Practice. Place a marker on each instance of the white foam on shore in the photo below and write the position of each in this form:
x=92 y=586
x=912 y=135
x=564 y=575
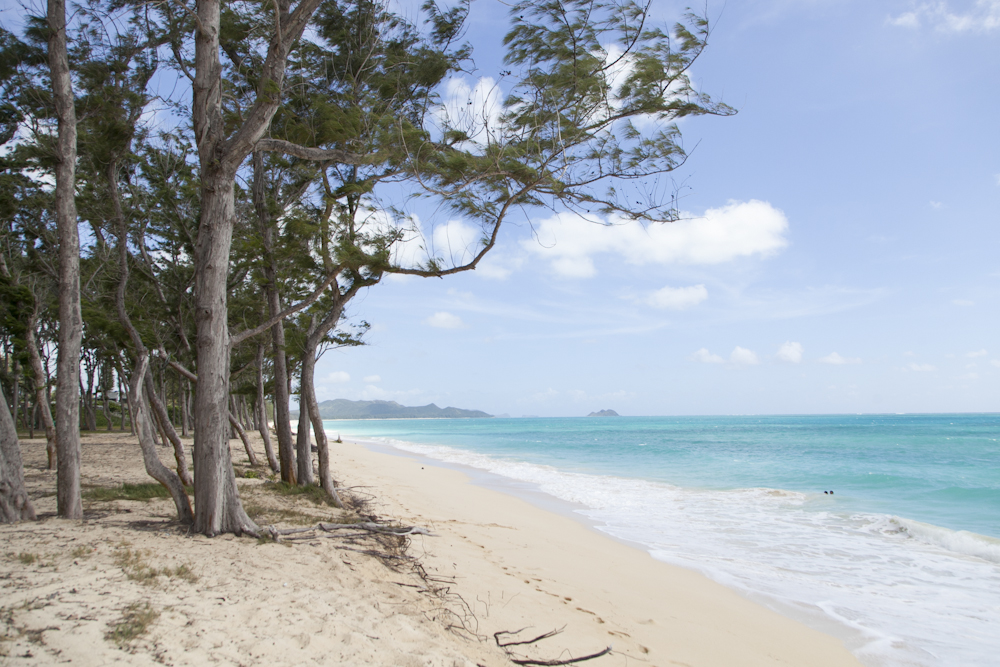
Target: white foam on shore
x=902 y=592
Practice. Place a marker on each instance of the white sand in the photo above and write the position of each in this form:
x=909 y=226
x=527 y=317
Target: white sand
x=499 y=563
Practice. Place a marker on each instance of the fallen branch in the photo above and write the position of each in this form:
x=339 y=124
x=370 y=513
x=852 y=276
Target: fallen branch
x=551 y=633
x=368 y=526
x=541 y=663
x=550 y=663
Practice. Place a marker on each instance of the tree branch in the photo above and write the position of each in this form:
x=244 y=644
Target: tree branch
x=315 y=154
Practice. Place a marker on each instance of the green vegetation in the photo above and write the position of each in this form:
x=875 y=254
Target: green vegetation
x=129 y=492
x=136 y=568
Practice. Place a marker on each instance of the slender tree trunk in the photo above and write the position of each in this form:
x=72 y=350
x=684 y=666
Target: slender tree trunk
x=262 y=426
x=307 y=389
x=303 y=446
x=160 y=412
x=141 y=417
x=15 y=401
x=68 y=499
x=184 y=407
x=14 y=502
x=243 y=435
x=282 y=415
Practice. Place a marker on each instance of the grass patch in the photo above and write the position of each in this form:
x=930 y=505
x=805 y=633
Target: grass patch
x=259 y=513
x=135 y=621
x=26 y=558
x=130 y=492
x=313 y=492
x=136 y=568
x=82 y=552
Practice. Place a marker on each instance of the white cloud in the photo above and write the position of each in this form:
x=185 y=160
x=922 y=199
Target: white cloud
x=969 y=376
x=743 y=356
x=981 y=16
x=739 y=229
x=921 y=368
x=936 y=204
x=963 y=302
x=997 y=176
x=706 y=357
x=995 y=362
x=979 y=353
x=837 y=360
x=443 y=320
x=339 y=377
x=372 y=378
x=677 y=298
x=790 y=352
x=472 y=109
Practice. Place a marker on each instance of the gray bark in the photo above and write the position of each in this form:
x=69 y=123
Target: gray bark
x=282 y=415
x=242 y=434
x=168 y=431
x=140 y=414
x=142 y=418
x=68 y=498
x=261 y=412
x=307 y=387
x=303 y=446
x=14 y=502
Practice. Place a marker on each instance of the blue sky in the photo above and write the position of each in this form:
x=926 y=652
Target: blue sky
x=840 y=252
x=856 y=197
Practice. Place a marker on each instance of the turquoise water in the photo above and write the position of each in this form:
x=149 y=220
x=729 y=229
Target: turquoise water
x=902 y=562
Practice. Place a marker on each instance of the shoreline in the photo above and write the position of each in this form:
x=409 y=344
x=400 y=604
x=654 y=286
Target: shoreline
x=495 y=563
x=664 y=614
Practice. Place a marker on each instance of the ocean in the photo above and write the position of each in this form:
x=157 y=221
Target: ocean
x=901 y=561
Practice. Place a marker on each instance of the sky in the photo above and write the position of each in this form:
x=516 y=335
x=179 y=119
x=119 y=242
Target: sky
x=839 y=252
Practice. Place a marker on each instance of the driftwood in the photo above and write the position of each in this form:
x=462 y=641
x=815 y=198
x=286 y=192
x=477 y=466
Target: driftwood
x=542 y=663
x=367 y=526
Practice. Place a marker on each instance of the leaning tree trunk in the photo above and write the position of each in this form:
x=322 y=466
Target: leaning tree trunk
x=261 y=412
x=14 y=502
x=143 y=419
x=41 y=393
x=167 y=428
x=308 y=394
x=241 y=432
x=68 y=499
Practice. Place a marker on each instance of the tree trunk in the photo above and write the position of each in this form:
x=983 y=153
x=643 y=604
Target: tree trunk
x=303 y=446
x=184 y=407
x=217 y=501
x=168 y=431
x=14 y=502
x=282 y=416
x=234 y=420
x=262 y=426
x=68 y=499
x=141 y=417
x=307 y=389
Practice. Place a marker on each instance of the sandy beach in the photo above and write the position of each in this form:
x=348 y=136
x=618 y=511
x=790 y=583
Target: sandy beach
x=493 y=563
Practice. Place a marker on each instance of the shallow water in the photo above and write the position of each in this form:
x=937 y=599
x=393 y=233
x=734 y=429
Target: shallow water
x=902 y=561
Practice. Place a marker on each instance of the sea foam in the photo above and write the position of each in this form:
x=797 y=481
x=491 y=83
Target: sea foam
x=896 y=591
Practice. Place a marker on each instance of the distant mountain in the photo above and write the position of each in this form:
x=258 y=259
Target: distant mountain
x=341 y=408
x=604 y=413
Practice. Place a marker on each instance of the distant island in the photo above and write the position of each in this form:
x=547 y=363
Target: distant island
x=341 y=408
x=604 y=413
